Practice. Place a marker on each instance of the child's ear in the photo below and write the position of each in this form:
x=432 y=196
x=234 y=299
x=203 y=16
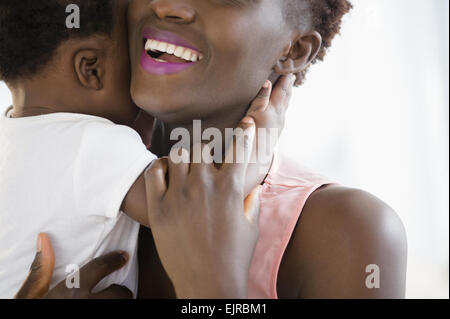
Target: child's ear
x=90 y=68
x=299 y=54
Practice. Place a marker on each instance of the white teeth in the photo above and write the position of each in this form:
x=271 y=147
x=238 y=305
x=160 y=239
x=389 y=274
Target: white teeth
x=162 y=47
x=178 y=51
x=148 y=45
x=187 y=55
x=153 y=45
x=171 y=48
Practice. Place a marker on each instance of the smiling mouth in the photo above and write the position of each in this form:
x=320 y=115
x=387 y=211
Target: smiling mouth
x=164 y=52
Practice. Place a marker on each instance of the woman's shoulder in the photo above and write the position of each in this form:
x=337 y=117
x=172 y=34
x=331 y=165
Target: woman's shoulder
x=330 y=203
x=342 y=232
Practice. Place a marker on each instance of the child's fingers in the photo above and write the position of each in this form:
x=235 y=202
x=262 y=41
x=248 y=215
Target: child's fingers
x=155 y=184
x=178 y=161
x=282 y=93
x=97 y=269
x=201 y=166
x=38 y=281
x=298 y=78
x=252 y=205
x=261 y=101
x=239 y=152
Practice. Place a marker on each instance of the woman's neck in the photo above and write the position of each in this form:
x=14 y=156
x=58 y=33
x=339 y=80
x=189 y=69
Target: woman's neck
x=162 y=143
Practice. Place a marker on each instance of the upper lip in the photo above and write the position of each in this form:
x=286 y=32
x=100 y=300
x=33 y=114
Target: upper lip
x=169 y=37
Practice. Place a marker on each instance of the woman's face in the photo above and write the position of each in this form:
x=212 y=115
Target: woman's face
x=201 y=58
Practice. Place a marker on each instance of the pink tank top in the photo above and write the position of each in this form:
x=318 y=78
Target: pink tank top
x=284 y=194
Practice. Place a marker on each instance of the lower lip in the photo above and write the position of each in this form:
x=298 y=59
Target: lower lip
x=152 y=66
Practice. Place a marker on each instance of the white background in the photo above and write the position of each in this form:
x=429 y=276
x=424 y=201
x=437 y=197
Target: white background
x=374 y=115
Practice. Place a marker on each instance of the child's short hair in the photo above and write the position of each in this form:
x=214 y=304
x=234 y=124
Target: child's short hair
x=31 y=31
x=323 y=16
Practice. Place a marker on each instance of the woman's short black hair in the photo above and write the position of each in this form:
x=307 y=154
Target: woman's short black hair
x=323 y=16
x=31 y=31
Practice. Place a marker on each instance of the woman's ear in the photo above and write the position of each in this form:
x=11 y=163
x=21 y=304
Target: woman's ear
x=89 y=68
x=300 y=54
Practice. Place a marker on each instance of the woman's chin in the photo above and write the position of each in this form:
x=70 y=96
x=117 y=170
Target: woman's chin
x=167 y=114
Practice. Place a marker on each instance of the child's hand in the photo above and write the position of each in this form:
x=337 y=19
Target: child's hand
x=41 y=271
x=268 y=110
x=37 y=284
x=204 y=235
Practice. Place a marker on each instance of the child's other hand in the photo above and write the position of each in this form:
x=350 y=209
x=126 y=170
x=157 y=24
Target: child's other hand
x=40 y=275
x=37 y=284
x=204 y=233
x=268 y=110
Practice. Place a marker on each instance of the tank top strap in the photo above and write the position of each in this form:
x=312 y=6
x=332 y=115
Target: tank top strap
x=284 y=194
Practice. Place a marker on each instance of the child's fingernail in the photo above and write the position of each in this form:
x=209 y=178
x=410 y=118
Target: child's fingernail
x=266 y=84
x=124 y=255
x=248 y=120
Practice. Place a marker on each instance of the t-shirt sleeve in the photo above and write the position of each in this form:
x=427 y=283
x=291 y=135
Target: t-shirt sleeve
x=110 y=159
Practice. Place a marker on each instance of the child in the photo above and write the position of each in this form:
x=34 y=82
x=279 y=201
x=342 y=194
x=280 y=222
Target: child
x=69 y=165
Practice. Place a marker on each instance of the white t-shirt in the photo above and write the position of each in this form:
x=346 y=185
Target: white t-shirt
x=66 y=175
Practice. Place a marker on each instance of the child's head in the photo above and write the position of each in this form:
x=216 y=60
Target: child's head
x=48 y=65
x=242 y=43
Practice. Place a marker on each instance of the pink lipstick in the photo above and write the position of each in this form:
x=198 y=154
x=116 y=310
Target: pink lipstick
x=166 y=53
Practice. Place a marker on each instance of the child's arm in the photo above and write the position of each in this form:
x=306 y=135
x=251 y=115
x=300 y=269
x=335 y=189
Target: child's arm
x=135 y=203
x=268 y=110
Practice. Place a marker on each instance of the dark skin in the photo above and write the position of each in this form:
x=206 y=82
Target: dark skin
x=92 y=77
x=350 y=228
x=219 y=251
x=341 y=230
x=214 y=233
x=88 y=75
x=37 y=284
